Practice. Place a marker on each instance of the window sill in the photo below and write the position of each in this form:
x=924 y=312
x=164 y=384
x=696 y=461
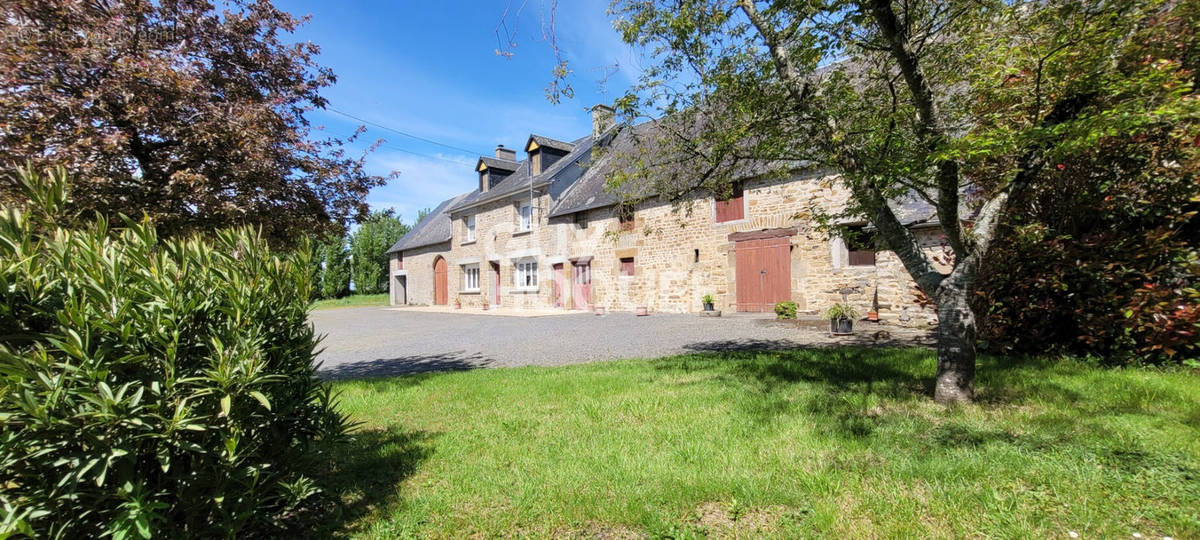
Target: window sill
x=469 y=291
x=523 y=290
x=467 y=243
x=732 y=221
x=522 y=232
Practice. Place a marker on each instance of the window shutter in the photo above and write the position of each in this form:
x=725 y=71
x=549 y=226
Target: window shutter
x=627 y=266
x=733 y=208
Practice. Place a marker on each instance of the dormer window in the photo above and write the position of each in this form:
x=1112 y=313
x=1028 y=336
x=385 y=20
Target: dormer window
x=492 y=171
x=545 y=152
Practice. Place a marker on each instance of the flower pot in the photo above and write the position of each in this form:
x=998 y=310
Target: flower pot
x=873 y=316
x=485 y=307
x=708 y=306
x=599 y=310
x=842 y=326
x=641 y=311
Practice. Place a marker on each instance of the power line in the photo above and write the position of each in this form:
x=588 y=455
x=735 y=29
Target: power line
x=430 y=156
x=406 y=134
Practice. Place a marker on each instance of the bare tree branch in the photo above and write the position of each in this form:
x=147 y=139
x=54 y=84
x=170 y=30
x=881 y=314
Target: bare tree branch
x=929 y=124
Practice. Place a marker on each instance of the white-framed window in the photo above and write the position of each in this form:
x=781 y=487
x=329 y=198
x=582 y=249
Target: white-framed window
x=525 y=215
x=470 y=228
x=470 y=277
x=525 y=274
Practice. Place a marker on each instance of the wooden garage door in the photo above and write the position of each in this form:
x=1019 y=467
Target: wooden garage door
x=441 y=294
x=764 y=273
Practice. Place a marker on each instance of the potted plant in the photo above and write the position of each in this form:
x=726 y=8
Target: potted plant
x=485 y=304
x=708 y=302
x=841 y=319
x=457 y=302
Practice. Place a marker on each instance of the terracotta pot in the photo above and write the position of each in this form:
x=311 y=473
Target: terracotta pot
x=873 y=316
x=485 y=307
x=641 y=311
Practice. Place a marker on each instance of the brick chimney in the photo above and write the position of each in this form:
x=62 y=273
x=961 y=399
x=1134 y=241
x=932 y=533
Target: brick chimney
x=603 y=118
x=507 y=154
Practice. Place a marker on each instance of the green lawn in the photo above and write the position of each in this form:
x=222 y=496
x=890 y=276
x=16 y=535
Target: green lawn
x=354 y=300
x=834 y=442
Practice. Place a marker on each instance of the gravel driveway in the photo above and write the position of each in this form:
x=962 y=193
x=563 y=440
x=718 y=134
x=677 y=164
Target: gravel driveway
x=373 y=341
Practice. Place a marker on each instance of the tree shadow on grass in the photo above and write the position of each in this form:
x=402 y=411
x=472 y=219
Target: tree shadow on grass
x=854 y=387
x=405 y=365
x=887 y=370
x=774 y=363
x=365 y=474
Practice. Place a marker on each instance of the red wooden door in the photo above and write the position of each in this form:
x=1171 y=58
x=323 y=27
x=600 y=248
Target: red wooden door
x=441 y=294
x=581 y=293
x=496 y=284
x=559 y=284
x=764 y=273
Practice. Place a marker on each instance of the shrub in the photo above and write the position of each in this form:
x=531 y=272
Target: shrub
x=1102 y=259
x=151 y=385
x=785 y=310
x=840 y=311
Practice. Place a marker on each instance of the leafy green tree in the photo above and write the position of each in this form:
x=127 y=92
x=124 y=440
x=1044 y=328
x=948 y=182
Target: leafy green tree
x=368 y=250
x=335 y=267
x=930 y=99
x=189 y=111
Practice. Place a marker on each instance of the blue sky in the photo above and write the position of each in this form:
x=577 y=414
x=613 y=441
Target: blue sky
x=430 y=69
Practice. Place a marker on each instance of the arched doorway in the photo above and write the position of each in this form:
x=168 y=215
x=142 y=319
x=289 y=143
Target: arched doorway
x=441 y=294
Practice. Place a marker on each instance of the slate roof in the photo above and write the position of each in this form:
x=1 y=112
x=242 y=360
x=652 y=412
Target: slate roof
x=434 y=229
x=547 y=142
x=577 y=181
x=644 y=142
x=559 y=174
x=495 y=163
x=647 y=144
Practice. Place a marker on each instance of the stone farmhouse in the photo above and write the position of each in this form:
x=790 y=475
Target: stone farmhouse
x=543 y=232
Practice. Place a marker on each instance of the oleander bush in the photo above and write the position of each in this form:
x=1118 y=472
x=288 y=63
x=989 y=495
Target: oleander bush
x=153 y=386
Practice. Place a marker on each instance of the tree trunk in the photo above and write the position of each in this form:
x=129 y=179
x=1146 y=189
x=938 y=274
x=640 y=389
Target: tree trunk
x=956 y=343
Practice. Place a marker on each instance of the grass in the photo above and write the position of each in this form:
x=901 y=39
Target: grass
x=354 y=300
x=830 y=442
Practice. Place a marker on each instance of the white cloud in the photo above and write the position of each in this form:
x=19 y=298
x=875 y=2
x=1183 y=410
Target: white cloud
x=424 y=182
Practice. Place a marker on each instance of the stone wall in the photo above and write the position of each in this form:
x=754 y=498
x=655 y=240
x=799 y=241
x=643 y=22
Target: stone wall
x=499 y=241
x=680 y=254
x=418 y=272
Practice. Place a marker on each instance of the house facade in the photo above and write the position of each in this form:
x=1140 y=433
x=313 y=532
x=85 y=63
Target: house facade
x=543 y=232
